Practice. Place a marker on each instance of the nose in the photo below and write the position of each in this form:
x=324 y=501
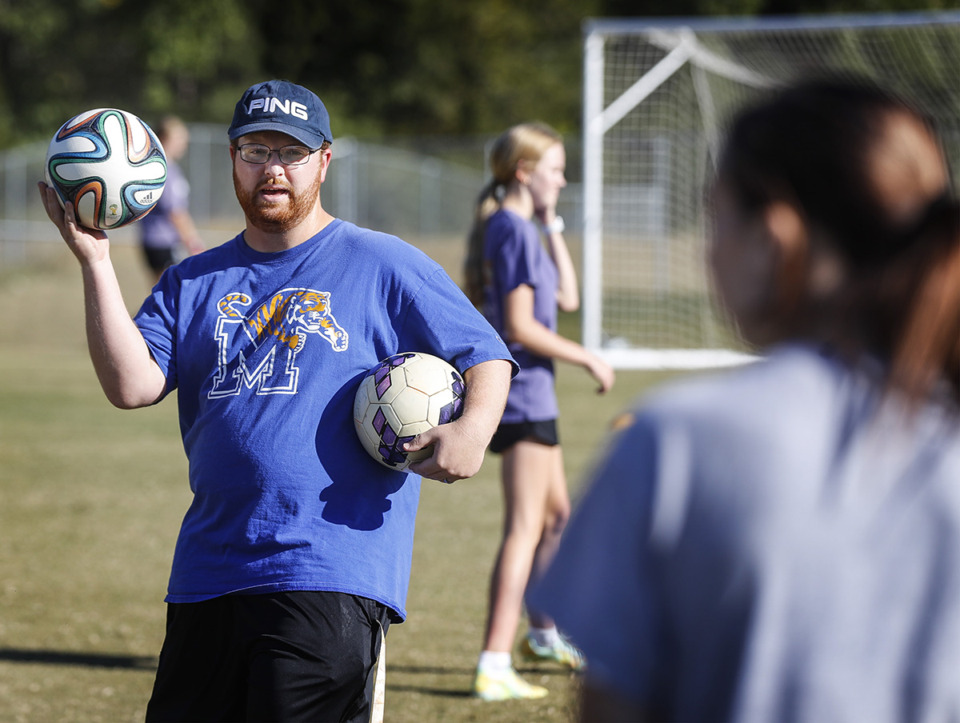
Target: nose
x=273 y=166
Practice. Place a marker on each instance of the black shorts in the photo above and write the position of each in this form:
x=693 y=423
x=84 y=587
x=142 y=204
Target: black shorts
x=507 y=435
x=161 y=259
x=274 y=657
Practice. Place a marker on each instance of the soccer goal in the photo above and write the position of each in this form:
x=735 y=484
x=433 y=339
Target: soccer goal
x=656 y=97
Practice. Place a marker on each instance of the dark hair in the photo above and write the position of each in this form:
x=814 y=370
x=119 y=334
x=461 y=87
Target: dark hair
x=815 y=145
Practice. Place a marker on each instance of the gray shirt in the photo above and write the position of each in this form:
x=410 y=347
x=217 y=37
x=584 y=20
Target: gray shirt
x=771 y=544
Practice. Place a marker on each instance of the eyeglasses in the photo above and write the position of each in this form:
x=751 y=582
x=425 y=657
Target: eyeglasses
x=288 y=155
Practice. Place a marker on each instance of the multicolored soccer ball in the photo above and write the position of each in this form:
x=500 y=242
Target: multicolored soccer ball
x=399 y=398
x=110 y=164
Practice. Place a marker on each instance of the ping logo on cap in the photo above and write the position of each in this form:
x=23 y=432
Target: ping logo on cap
x=272 y=105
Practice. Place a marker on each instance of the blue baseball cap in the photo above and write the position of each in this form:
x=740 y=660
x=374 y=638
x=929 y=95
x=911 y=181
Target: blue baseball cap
x=279 y=105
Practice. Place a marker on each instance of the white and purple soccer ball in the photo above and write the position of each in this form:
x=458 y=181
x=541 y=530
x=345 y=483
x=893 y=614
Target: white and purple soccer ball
x=399 y=398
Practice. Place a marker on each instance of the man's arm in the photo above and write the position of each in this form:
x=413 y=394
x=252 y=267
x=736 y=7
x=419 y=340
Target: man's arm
x=459 y=446
x=128 y=374
x=183 y=222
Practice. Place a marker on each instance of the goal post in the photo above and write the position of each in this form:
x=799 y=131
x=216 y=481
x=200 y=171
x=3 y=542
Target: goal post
x=657 y=93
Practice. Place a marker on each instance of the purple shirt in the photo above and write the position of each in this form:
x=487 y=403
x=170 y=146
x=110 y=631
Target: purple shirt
x=516 y=256
x=156 y=229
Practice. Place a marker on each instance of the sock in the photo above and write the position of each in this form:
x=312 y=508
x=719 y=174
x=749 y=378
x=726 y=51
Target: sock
x=545 y=637
x=494 y=662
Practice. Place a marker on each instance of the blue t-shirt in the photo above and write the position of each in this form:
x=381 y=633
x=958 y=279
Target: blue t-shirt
x=516 y=256
x=156 y=229
x=771 y=544
x=266 y=351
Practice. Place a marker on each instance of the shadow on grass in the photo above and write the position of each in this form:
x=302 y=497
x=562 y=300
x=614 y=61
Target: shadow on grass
x=421 y=690
x=87 y=660
x=531 y=669
x=400 y=671
x=427 y=669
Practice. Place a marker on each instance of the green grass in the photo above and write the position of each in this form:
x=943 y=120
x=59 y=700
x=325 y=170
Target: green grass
x=93 y=497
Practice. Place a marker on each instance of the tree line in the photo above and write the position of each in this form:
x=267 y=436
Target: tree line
x=383 y=67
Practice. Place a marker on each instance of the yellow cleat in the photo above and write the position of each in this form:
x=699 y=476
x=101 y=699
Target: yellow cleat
x=505 y=685
x=563 y=652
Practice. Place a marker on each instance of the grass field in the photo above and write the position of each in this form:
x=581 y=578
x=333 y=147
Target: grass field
x=93 y=497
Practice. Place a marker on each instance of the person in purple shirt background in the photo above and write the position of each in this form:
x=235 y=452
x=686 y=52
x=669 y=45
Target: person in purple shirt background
x=168 y=233
x=519 y=283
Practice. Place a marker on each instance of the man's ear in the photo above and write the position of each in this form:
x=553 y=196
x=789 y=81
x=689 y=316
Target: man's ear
x=786 y=230
x=326 y=156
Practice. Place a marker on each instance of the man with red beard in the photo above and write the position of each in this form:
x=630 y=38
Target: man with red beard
x=294 y=557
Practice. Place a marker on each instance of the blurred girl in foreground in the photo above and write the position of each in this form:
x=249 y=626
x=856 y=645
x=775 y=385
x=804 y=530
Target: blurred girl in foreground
x=519 y=282
x=782 y=541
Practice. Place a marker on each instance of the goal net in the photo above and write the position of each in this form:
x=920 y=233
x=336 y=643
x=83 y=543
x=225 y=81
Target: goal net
x=656 y=96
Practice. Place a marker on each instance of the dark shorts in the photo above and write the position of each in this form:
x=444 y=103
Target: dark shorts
x=507 y=435
x=275 y=657
x=160 y=259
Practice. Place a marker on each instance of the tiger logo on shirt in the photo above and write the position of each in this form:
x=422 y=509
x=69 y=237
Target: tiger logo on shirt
x=274 y=333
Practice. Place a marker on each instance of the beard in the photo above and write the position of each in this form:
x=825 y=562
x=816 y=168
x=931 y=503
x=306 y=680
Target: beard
x=276 y=217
